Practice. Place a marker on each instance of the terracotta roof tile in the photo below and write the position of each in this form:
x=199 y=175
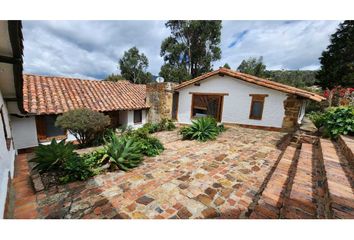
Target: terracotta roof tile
x=54 y=95
x=254 y=80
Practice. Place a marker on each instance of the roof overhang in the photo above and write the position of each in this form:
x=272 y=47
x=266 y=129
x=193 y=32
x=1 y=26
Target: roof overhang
x=254 y=80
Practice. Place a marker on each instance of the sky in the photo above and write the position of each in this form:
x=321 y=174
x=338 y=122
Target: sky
x=91 y=49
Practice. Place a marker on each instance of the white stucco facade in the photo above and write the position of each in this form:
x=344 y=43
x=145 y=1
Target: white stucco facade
x=236 y=106
x=7 y=156
x=130 y=119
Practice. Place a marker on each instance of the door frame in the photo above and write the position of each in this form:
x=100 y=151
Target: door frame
x=220 y=103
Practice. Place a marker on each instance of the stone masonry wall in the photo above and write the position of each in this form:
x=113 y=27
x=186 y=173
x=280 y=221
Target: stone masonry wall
x=159 y=96
x=292 y=106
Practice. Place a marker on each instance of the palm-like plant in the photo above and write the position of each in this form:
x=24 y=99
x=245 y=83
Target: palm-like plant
x=202 y=129
x=123 y=152
x=53 y=156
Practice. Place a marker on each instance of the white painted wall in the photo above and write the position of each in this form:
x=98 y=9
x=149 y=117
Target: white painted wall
x=130 y=119
x=237 y=103
x=7 y=157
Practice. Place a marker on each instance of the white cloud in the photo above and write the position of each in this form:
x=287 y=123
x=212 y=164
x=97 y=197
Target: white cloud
x=91 y=49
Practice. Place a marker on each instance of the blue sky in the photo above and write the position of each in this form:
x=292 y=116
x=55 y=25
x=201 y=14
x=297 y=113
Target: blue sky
x=91 y=49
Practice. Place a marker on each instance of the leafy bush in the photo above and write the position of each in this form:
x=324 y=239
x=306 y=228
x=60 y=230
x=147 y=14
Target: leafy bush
x=317 y=118
x=149 y=146
x=123 y=152
x=166 y=125
x=339 y=120
x=151 y=127
x=202 y=129
x=86 y=125
x=53 y=156
x=76 y=169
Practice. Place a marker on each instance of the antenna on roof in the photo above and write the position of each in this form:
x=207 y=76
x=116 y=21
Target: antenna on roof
x=160 y=79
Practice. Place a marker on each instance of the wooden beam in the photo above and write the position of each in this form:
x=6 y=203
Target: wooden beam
x=10 y=60
x=211 y=94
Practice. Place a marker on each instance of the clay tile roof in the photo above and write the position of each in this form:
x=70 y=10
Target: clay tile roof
x=255 y=80
x=54 y=95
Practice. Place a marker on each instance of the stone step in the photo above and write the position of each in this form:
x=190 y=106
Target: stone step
x=340 y=182
x=301 y=200
x=271 y=199
x=346 y=144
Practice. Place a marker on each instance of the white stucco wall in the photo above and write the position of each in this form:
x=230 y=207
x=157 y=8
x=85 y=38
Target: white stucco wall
x=130 y=119
x=237 y=104
x=7 y=157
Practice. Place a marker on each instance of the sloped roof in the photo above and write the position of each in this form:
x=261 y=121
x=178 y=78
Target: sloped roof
x=54 y=95
x=255 y=80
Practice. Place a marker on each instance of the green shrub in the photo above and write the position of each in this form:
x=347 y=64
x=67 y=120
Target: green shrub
x=202 y=129
x=123 y=152
x=339 y=120
x=76 y=169
x=317 y=118
x=151 y=127
x=166 y=125
x=150 y=146
x=53 y=156
x=86 y=125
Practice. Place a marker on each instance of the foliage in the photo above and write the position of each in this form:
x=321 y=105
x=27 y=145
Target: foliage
x=123 y=152
x=151 y=127
x=52 y=156
x=226 y=65
x=77 y=169
x=202 y=129
x=190 y=49
x=114 y=78
x=317 y=118
x=150 y=146
x=295 y=78
x=86 y=125
x=338 y=59
x=166 y=125
x=253 y=66
x=133 y=66
x=339 y=120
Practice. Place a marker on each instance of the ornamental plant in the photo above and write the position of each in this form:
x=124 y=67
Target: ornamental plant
x=338 y=120
x=202 y=129
x=86 y=125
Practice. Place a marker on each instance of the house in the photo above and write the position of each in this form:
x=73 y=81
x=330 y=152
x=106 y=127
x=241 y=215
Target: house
x=46 y=97
x=11 y=50
x=237 y=98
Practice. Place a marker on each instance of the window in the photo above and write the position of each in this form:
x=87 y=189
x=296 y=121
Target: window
x=46 y=128
x=138 y=116
x=207 y=105
x=257 y=104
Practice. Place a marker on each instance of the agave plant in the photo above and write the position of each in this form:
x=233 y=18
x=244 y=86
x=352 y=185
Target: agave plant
x=123 y=152
x=202 y=129
x=53 y=156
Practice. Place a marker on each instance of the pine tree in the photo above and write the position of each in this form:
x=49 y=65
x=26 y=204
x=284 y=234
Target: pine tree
x=338 y=59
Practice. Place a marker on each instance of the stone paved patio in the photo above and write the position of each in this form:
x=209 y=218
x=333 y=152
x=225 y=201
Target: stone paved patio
x=215 y=179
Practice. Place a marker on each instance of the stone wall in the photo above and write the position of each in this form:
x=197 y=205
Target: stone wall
x=292 y=107
x=159 y=96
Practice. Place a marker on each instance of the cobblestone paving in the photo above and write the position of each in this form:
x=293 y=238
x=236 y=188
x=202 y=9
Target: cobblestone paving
x=215 y=179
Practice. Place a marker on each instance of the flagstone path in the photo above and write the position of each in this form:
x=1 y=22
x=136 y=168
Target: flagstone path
x=214 y=179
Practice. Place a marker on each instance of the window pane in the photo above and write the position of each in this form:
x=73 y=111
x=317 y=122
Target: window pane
x=51 y=129
x=137 y=116
x=257 y=109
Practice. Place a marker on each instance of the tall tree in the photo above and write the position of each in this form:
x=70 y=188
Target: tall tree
x=191 y=49
x=133 y=66
x=338 y=59
x=253 y=66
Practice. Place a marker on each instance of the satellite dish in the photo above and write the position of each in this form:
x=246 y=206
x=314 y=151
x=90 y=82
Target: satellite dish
x=160 y=79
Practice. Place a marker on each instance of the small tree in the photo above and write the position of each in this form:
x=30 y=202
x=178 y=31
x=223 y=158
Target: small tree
x=84 y=124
